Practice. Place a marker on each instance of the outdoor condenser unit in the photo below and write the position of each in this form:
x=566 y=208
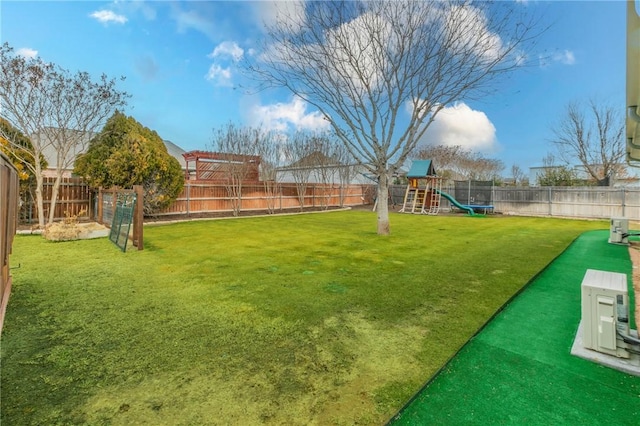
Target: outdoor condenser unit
x=619 y=230
x=605 y=312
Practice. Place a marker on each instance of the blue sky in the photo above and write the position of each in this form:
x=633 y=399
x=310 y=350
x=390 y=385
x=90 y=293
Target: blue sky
x=178 y=60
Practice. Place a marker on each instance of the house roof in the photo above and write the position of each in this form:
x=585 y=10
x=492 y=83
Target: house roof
x=313 y=160
x=51 y=155
x=176 y=152
x=50 y=152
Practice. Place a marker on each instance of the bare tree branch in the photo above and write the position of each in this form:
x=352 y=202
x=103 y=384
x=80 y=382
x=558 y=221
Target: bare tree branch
x=297 y=153
x=456 y=162
x=269 y=149
x=57 y=110
x=238 y=150
x=592 y=134
x=380 y=71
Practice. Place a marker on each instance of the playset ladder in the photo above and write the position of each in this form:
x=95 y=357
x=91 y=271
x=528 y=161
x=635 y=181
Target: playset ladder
x=414 y=198
x=422 y=200
x=434 y=204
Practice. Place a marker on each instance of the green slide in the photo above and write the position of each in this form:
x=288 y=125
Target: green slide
x=455 y=203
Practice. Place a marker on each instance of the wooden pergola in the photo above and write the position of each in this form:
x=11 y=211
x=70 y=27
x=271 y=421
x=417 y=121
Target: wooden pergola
x=213 y=166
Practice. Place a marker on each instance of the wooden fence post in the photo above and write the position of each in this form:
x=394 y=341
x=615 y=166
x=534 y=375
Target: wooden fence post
x=114 y=201
x=138 y=218
x=188 y=191
x=100 y=201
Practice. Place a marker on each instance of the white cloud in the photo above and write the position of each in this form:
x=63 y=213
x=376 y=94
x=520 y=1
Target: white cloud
x=145 y=8
x=286 y=116
x=217 y=73
x=461 y=125
x=220 y=76
x=108 y=16
x=469 y=27
x=361 y=65
x=227 y=48
x=543 y=60
x=520 y=59
x=134 y=7
x=193 y=20
x=357 y=56
x=267 y=13
x=27 y=52
x=564 y=57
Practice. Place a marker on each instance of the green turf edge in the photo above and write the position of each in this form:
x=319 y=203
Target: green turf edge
x=484 y=325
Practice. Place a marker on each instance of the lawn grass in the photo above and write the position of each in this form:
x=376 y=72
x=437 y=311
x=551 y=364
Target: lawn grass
x=310 y=319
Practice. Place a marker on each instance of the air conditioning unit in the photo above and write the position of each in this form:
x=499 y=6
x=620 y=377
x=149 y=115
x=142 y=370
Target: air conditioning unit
x=605 y=312
x=619 y=230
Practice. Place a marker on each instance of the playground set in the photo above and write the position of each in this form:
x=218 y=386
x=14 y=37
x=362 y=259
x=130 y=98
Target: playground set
x=424 y=192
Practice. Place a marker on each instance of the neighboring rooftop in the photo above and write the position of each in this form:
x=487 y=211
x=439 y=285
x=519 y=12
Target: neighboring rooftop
x=51 y=154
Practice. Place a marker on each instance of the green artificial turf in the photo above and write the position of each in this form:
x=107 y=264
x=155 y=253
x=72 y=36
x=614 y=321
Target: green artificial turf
x=519 y=370
x=308 y=319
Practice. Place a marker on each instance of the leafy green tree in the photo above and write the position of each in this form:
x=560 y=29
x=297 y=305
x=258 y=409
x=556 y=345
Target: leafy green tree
x=125 y=153
x=19 y=151
x=556 y=175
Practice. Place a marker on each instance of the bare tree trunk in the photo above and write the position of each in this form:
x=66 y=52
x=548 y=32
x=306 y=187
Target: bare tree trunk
x=238 y=193
x=54 y=198
x=234 y=190
x=383 y=205
x=39 y=199
x=271 y=189
x=366 y=64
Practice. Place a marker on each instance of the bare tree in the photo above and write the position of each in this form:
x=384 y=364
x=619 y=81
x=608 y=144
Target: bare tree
x=238 y=149
x=346 y=170
x=457 y=162
x=325 y=166
x=518 y=176
x=380 y=71
x=297 y=152
x=57 y=110
x=479 y=167
x=269 y=150
x=593 y=134
x=445 y=158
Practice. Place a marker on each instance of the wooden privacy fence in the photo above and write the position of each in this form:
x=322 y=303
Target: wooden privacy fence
x=204 y=197
x=9 y=191
x=74 y=197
